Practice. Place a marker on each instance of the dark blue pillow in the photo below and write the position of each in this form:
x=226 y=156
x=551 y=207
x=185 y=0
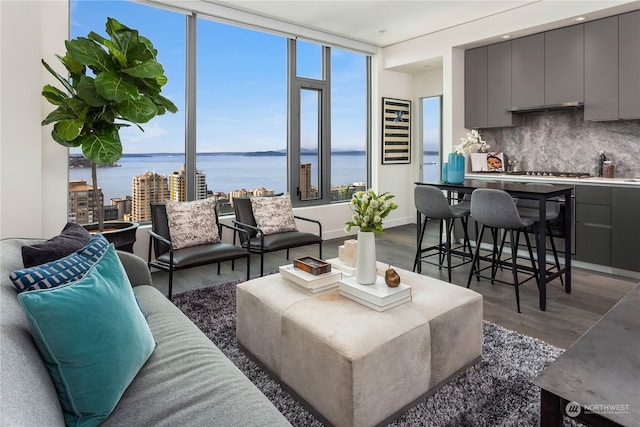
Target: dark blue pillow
x=72 y=238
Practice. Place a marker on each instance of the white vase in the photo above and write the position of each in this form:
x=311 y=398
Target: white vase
x=366 y=271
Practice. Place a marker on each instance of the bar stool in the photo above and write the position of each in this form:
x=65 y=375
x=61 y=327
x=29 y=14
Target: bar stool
x=530 y=209
x=496 y=209
x=431 y=203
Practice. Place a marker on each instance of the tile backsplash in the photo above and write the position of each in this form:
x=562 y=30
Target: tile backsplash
x=563 y=141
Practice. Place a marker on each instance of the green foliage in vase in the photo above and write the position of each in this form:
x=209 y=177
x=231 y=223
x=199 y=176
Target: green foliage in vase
x=369 y=209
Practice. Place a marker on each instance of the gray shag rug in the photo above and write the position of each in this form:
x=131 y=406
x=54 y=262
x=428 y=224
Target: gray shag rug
x=495 y=392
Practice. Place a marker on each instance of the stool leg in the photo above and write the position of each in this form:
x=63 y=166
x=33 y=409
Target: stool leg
x=494 y=267
x=440 y=254
x=475 y=265
x=533 y=264
x=514 y=266
x=416 y=263
x=467 y=241
x=555 y=252
x=449 y=227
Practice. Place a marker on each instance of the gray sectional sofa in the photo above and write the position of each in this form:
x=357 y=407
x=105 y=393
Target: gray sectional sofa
x=187 y=380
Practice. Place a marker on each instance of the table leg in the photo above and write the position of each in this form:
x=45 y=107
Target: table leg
x=568 y=206
x=551 y=411
x=542 y=252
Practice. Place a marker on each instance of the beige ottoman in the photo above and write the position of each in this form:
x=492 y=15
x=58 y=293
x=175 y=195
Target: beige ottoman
x=354 y=365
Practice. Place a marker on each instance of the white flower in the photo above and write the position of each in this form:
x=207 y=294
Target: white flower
x=369 y=209
x=473 y=142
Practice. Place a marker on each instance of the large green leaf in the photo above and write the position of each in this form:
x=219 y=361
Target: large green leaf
x=166 y=103
x=102 y=148
x=75 y=143
x=121 y=57
x=60 y=113
x=161 y=80
x=68 y=129
x=115 y=87
x=54 y=95
x=88 y=52
x=148 y=69
x=61 y=79
x=138 y=110
x=88 y=93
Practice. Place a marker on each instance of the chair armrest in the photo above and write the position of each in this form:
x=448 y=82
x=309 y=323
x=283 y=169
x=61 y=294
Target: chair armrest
x=311 y=220
x=156 y=236
x=253 y=227
x=239 y=230
x=136 y=268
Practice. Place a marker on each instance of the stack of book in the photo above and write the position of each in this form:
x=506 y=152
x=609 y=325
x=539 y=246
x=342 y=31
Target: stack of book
x=309 y=283
x=378 y=296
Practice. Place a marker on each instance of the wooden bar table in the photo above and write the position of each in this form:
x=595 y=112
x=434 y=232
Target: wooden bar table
x=542 y=193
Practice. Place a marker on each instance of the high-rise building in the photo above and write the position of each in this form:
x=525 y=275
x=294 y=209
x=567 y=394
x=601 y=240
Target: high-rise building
x=305 y=181
x=147 y=188
x=262 y=192
x=178 y=185
x=82 y=207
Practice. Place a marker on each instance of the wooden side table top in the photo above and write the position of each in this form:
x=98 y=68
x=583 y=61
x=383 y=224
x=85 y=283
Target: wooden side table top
x=601 y=371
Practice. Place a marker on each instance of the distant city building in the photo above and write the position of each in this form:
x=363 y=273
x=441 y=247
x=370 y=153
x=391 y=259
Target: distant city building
x=262 y=192
x=305 y=181
x=123 y=207
x=147 y=188
x=82 y=208
x=238 y=193
x=178 y=185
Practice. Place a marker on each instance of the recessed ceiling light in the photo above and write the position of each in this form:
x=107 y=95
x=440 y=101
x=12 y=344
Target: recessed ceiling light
x=380 y=32
x=580 y=18
x=506 y=36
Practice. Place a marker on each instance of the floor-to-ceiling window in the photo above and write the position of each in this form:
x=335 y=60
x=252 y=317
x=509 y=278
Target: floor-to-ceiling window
x=150 y=157
x=234 y=139
x=431 y=138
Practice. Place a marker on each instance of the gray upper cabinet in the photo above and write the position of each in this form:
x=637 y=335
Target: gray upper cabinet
x=499 y=86
x=527 y=71
x=564 y=65
x=629 y=53
x=475 y=88
x=601 y=69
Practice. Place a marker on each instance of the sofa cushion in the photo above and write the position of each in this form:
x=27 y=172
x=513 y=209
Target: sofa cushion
x=192 y=223
x=72 y=238
x=273 y=214
x=93 y=338
x=64 y=270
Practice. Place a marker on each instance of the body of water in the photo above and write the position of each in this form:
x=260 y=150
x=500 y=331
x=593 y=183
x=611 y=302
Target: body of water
x=225 y=173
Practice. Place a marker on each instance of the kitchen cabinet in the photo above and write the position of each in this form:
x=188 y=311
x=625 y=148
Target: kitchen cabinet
x=593 y=224
x=629 y=63
x=564 y=65
x=475 y=88
x=499 y=87
x=601 y=69
x=625 y=232
x=607 y=231
x=527 y=71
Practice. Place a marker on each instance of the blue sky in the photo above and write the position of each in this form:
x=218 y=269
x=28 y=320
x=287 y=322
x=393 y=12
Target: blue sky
x=241 y=89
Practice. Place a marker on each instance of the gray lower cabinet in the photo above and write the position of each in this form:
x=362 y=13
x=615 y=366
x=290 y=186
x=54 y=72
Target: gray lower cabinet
x=527 y=71
x=625 y=228
x=601 y=69
x=593 y=224
x=629 y=53
x=607 y=230
x=564 y=65
x=475 y=88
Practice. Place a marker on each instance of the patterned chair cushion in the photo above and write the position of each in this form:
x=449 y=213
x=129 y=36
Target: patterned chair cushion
x=273 y=214
x=64 y=270
x=192 y=223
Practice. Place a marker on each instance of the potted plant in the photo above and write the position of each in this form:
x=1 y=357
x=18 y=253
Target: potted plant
x=112 y=83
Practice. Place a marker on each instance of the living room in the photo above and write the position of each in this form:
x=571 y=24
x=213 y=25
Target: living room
x=34 y=171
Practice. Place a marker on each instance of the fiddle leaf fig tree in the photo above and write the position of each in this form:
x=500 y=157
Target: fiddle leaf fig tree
x=111 y=83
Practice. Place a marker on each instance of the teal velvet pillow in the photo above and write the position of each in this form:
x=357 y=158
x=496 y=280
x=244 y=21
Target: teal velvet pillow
x=92 y=337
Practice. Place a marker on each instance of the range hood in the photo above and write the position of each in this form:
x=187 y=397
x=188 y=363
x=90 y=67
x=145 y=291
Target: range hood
x=548 y=107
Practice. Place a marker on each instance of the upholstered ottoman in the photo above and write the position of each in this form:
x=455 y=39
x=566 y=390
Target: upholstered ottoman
x=356 y=366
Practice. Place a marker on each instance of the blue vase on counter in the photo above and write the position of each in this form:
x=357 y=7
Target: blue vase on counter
x=455 y=168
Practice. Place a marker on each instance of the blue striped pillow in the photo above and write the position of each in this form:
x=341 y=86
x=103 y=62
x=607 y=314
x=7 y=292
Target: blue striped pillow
x=64 y=270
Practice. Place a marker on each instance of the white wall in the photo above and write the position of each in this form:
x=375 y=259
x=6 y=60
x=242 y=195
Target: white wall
x=33 y=169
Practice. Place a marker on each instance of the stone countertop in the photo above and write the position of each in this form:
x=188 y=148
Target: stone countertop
x=593 y=180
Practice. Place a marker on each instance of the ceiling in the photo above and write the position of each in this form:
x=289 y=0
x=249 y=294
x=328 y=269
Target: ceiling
x=379 y=22
x=386 y=22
